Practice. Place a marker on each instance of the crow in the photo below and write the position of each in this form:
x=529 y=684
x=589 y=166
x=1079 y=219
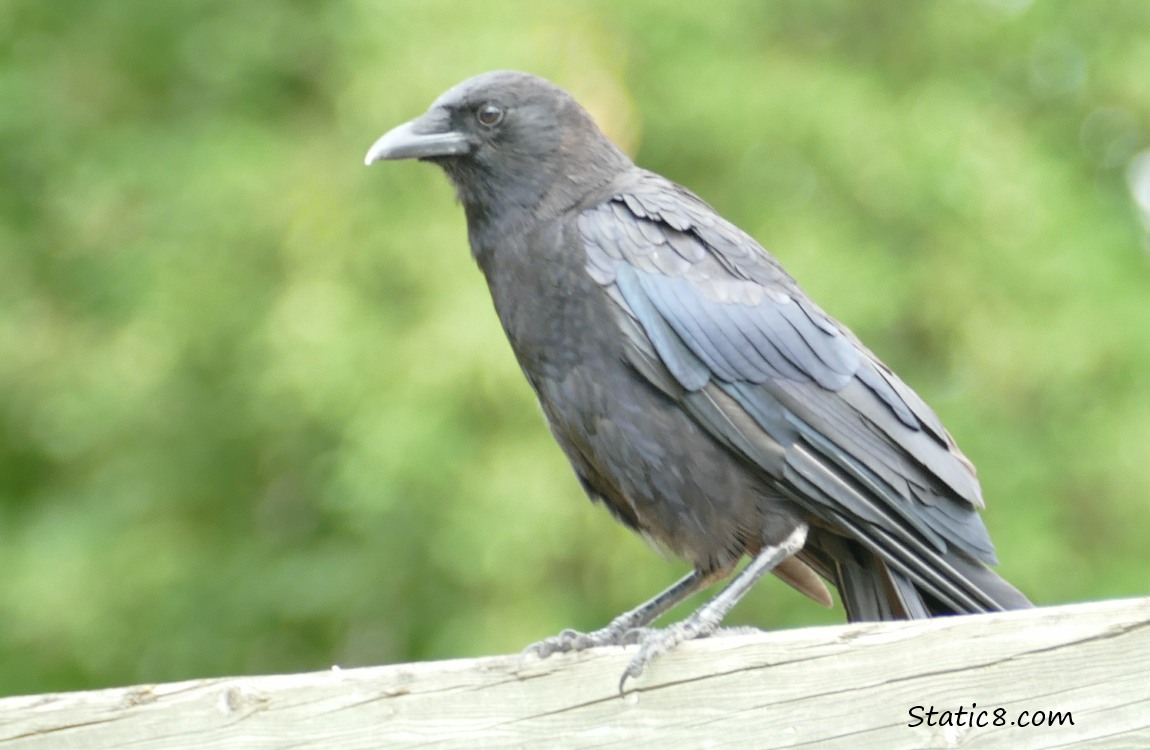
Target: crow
x=698 y=392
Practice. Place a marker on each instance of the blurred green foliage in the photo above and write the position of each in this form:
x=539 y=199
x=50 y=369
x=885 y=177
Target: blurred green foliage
x=256 y=413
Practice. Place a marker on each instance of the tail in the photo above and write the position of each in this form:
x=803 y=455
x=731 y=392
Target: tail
x=871 y=590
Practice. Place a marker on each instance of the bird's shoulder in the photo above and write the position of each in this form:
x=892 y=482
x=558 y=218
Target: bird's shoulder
x=671 y=260
x=655 y=224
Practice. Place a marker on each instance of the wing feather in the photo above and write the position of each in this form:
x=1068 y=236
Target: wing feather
x=715 y=322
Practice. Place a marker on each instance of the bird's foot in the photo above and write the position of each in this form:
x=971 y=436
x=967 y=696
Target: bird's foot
x=573 y=640
x=654 y=642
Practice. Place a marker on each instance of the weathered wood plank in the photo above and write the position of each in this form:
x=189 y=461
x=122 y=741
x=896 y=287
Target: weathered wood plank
x=849 y=686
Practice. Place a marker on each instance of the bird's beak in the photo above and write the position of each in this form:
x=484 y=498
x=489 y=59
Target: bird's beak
x=427 y=136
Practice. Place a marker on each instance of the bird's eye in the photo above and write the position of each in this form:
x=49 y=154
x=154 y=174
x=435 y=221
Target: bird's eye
x=489 y=115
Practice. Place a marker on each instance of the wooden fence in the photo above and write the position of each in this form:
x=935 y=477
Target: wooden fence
x=1066 y=677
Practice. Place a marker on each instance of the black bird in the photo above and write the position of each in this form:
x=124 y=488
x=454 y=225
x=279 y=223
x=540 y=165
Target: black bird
x=699 y=394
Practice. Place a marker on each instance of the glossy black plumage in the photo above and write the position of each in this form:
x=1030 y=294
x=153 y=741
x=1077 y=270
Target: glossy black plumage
x=697 y=391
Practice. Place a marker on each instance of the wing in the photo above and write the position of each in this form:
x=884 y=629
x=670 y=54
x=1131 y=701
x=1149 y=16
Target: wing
x=716 y=323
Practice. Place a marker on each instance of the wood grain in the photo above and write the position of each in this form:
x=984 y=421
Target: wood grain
x=830 y=687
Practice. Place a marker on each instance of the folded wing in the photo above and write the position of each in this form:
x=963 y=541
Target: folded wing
x=714 y=321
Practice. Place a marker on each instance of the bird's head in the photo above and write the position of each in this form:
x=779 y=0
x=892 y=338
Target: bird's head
x=508 y=141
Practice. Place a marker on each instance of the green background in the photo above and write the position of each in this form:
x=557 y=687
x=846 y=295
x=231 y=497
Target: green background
x=256 y=412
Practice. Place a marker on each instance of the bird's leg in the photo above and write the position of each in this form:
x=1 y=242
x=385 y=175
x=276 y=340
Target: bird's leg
x=706 y=619
x=616 y=632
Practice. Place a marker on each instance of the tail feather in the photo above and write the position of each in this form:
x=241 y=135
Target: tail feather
x=872 y=591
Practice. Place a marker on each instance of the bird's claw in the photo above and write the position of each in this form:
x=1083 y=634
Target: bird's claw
x=656 y=642
x=652 y=642
x=567 y=640
x=572 y=640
